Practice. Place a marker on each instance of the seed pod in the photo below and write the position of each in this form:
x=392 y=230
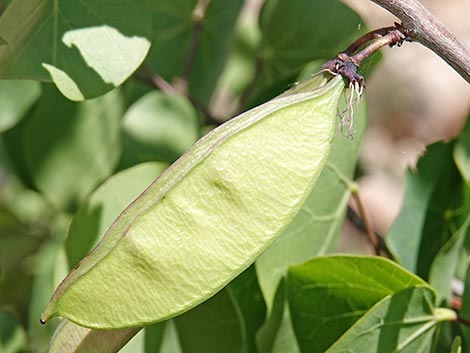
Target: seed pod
x=206 y=218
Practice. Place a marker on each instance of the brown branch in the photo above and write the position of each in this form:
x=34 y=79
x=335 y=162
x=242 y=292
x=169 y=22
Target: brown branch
x=347 y=62
x=463 y=321
x=198 y=19
x=394 y=36
x=421 y=26
x=367 y=38
x=373 y=239
x=358 y=222
x=156 y=81
x=161 y=84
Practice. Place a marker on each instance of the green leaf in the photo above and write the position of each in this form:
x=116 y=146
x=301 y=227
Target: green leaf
x=207 y=218
x=267 y=333
x=85 y=47
x=158 y=127
x=211 y=327
x=96 y=215
x=294 y=34
x=417 y=219
x=17 y=243
x=316 y=227
x=277 y=334
x=241 y=62
x=465 y=309
x=456 y=346
x=447 y=211
x=71 y=338
x=462 y=153
x=136 y=344
x=154 y=336
x=248 y=301
x=66 y=149
x=170 y=343
x=212 y=51
x=173 y=30
x=285 y=341
x=401 y=323
x=16 y=98
x=12 y=335
x=171 y=21
x=51 y=268
x=328 y=294
x=444 y=265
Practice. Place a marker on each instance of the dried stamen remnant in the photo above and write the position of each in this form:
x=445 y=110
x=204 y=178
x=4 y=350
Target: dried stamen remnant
x=347 y=63
x=348 y=69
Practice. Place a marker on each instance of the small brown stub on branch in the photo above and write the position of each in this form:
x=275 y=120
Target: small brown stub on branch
x=347 y=62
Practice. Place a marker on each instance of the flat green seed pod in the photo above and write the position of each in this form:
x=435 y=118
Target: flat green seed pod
x=206 y=218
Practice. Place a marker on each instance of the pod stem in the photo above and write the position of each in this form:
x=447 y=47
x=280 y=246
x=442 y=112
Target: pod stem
x=462 y=321
x=348 y=61
x=362 y=223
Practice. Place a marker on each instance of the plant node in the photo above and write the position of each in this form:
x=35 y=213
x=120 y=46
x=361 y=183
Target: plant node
x=348 y=62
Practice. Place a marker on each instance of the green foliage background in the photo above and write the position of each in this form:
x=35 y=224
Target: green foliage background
x=84 y=130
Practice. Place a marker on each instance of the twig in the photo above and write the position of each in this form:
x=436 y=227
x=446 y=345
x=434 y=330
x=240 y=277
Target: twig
x=347 y=62
x=463 y=321
x=359 y=224
x=198 y=19
x=373 y=239
x=367 y=38
x=157 y=81
x=394 y=36
x=161 y=84
x=421 y=26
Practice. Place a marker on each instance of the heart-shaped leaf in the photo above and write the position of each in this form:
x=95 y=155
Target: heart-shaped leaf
x=328 y=294
x=404 y=322
x=85 y=47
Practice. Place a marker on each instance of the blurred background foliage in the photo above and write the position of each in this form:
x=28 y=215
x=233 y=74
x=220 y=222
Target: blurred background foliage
x=67 y=168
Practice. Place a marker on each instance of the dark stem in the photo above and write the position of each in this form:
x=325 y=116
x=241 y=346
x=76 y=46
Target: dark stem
x=357 y=221
x=463 y=321
x=421 y=26
x=367 y=38
x=394 y=36
x=161 y=84
x=157 y=81
x=373 y=239
x=198 y=20
x=348 y=61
